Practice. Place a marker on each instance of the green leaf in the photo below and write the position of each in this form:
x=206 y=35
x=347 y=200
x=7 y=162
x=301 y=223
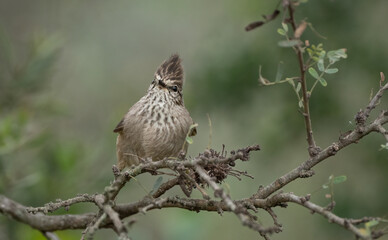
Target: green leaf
x=323 y=82
x=290 y=81
x=331 y=70
x=341 y=53
x=289 y=43
x=300 y=103
x=371 y=223
x=339 y=179
x=298 y=87
x=310 y=52
x=281 y=32
x=314 y=73
x=321 y=65
x=322 y=54
x=285 y=27
x=279 y=72
x=336 y=55
x=157 y=184
x=365 y=232
x=333 y=60
x=189 y=140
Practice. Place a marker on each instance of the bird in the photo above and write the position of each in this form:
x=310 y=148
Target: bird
x=156 y=127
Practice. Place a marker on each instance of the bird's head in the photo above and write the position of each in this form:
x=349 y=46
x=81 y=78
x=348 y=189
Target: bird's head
x=169 y=77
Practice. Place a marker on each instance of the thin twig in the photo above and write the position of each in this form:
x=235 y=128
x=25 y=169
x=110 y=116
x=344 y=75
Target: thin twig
x=113 y=215
x=312 y=149
x=50 y=236
x=240 y=211
x=375 y=100
x=53 y=206
x=165 y=187
x=91 y=230
x=331 y=217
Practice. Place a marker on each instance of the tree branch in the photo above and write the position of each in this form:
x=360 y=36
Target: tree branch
x=239 y=210
x=376 y=99
x=51 y=206
x=331 y=217
x=312 y=149
x=112 y=214
x=42 y=222
x=53 y=223
x=351 y=137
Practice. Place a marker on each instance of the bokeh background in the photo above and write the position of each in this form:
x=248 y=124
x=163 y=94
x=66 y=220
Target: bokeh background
x=69 y=70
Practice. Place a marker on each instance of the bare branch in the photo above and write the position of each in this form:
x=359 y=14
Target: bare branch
x=157 y=203
x=113 y=215
x=53 y=223
x=93 y=226
x=45 y=223
x=51 y=206
x=351 y=137
x=374 y=102
x=80 y=221
x=50 y=236
x=365 y=220
x=165 y=187
x=383 y=131
x=331 y=217
x=274 y=217
x=239 y=210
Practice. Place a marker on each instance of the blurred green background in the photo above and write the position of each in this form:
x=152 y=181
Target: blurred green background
x=69 y=70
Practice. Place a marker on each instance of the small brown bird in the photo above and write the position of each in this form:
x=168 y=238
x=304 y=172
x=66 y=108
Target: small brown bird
x=157 y=125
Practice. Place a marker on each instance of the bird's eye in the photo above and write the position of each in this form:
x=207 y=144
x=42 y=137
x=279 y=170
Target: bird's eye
x=174 y=88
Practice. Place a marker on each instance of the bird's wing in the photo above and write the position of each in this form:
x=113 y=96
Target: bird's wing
x=119 y=127
x=131 y=113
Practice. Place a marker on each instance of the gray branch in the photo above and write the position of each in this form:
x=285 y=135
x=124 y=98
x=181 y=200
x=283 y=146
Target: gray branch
x=111 y=214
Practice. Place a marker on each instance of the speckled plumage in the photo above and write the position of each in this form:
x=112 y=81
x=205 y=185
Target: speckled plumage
x=157 y=125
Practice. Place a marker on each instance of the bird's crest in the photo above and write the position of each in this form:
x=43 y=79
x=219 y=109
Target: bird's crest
x=171 y=70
